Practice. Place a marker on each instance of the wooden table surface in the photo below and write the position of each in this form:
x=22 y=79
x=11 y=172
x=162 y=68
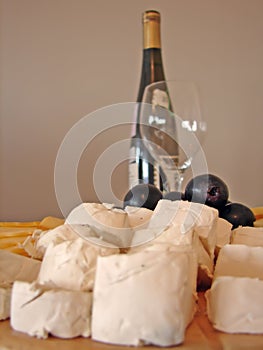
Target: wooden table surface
x=199 y=335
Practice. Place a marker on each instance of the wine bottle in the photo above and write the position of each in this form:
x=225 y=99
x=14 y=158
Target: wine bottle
x=142 y=168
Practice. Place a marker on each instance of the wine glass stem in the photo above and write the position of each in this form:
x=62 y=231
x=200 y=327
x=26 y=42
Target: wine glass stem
x=174 y=180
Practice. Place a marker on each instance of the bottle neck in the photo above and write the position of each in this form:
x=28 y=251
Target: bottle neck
x=152 y=69
x=151 y=34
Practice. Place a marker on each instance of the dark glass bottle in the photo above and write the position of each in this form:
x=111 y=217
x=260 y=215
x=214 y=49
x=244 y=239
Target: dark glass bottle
x=142 y=167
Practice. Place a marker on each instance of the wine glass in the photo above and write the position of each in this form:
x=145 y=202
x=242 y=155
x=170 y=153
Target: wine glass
x=172 y=128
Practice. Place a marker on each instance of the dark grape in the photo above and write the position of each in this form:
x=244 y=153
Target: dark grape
x=143 y=195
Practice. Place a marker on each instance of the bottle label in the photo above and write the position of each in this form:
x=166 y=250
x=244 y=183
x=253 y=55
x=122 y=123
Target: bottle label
x=133 y=168
x=133 y=128
x=157 y=179
x=160 y=98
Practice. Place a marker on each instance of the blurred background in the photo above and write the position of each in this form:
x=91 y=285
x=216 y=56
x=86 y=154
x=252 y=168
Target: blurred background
x=64 y=59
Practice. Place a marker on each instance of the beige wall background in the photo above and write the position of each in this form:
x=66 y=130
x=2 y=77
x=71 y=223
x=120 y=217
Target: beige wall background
x=63 y=59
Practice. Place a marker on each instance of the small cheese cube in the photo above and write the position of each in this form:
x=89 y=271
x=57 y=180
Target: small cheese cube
x=144 y=298
x=240 y=261
x=40 y=312
x=252 y=236
x=235 y=304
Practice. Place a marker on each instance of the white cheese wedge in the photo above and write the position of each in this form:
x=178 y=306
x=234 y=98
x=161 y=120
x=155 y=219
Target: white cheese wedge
x=105 y=214
x=71 y=264
x=157 y=236
x=14 y=267
x=172 y=238
x=40 y=312
x=138 y=218
x=29 y=244
x=240 y=261
x=57 y=235
x=144 y=298
x=205 y=223
x=5 y=298
x=252 y=236
x=183 y=223
x=187 y=215
x=95 y=221
x=101 y=214
x=163 y=247
x=36 y=245
x=235 y=304
x=17 y=267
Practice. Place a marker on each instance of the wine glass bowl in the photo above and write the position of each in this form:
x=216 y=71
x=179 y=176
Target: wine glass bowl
x=172 y=128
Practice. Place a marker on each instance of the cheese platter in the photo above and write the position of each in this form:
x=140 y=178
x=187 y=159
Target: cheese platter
x=76 y=283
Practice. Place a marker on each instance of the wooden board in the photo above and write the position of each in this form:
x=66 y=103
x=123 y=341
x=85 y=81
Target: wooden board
x=199 y=335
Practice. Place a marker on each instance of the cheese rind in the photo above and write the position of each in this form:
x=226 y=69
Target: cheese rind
x=239 y=260
x=144 y=298
x=40 y=312
x=235 y=304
